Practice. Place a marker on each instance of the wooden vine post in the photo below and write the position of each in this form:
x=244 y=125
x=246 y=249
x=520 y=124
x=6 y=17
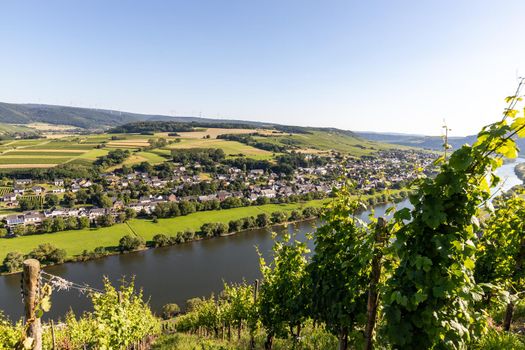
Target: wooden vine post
x=30 y=289
x=255 y=292
x=375 y=276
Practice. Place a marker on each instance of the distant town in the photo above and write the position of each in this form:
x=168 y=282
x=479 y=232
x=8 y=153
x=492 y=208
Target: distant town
x=144 y=190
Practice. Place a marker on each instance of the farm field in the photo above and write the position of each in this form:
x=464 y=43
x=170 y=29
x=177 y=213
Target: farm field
x=214 y=132
x=230 y=148
x=76 y=241
x=326 y=140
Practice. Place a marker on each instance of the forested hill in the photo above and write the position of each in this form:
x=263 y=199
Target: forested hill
x=90 y=118
x=80 y=117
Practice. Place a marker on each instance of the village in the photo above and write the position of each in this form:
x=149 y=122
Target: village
x=115 y=196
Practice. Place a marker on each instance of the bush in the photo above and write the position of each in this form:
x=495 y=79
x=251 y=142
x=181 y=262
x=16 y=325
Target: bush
x=170 y=310
x=497 y=340
x=263 y=220
x=214 y=229
x=48 y=254
x=278 y=217
x=161 y=240
x=129 y=243
x=13 y=262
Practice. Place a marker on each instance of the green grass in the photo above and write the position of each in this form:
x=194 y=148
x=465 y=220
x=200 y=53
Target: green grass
x=328 y=140
x=147 y=228
x=10 y=128
x=312 y=338
x=230 y=148
x=75 y=241
x=151 y=157
x=43 y=153
x=33 y=160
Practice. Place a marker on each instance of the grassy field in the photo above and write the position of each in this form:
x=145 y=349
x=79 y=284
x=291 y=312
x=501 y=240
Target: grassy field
x=326 y=140
x=84 y=149
x=230 y=148
x=33 y=160
x=74 y=242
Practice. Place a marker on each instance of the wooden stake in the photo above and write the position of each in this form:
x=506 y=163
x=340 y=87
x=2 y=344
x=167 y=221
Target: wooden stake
x=375 y=276
x=30 y=289
x=53 y=335
x=255 y=292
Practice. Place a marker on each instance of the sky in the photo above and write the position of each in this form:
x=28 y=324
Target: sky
x=386 y=66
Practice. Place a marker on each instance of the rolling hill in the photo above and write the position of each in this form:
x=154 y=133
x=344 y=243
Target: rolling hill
x=89 y=118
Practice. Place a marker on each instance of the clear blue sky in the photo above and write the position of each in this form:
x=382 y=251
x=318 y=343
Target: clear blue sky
x=398 y=66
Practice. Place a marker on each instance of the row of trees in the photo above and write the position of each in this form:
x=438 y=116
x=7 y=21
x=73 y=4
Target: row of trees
x=59 y=223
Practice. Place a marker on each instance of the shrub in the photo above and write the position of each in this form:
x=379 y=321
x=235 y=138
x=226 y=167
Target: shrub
x=48 y=254
x=170 y=310
x=13 y=262
x=161 y=240
x=129 y=243
x=278 y=217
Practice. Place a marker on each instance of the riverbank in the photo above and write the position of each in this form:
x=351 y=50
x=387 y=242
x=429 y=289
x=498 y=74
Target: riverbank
x=80 y=245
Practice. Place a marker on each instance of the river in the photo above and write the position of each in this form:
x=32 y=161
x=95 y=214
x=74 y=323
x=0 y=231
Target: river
x=177 y=273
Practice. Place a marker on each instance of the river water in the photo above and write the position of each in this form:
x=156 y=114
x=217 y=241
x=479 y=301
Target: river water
x=177 y=273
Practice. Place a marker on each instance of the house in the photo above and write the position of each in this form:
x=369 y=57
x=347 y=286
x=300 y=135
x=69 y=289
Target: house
x=222 y=195
x=14 y=220
x=19 y=190
x=38 y=189
x=269 y=193
x=58 y=182
x=75 y=188
x=94 y=213
x=23 y=182
x=9 y=197
x=59 y=190
x=118 y=205
x=33 y=218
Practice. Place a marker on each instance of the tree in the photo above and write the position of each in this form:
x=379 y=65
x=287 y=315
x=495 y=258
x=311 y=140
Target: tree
x=59 y=224
x=69 y=199
x=106 y=220
x=13 y=262
x=161 y=240
x=170 y=310
x=186 y=207
x=51 y=200
x=285 y=290
x=48 y=254
x=235 y=226
x=129 y=243
x=47 y=225
x=279 y=217
x=83 y=222
x=71 y=223
x=263 y=220
x=130 y=213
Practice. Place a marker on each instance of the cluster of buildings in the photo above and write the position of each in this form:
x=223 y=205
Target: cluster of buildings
x=386 y=169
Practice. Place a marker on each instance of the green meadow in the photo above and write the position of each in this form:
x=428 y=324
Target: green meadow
x=76 y=241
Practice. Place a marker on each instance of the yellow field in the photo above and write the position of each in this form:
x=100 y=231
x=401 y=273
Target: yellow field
x=214 y=132
x=231 y=148
x=25 y=166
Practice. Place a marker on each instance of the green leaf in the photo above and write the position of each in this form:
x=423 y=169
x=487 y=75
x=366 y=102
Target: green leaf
x=403 y=214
